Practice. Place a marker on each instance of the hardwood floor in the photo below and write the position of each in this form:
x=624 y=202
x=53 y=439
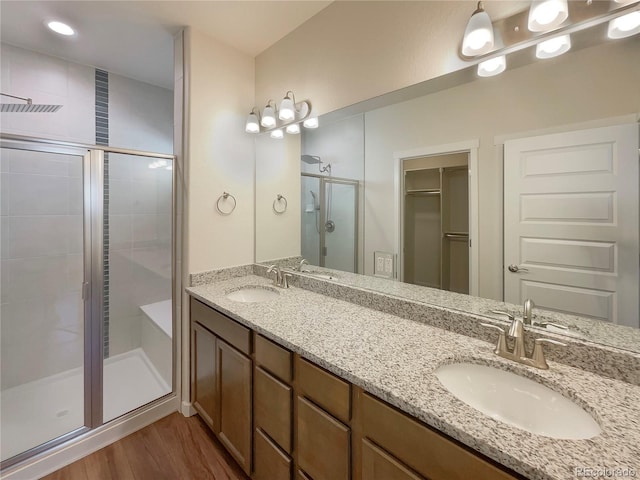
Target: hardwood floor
x=172 y=448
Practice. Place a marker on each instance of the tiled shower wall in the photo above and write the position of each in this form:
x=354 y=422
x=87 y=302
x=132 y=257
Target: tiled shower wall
x=138 y=209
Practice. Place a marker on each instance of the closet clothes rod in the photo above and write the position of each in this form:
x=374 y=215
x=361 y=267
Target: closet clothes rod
x=456 y=235
x=423 y=192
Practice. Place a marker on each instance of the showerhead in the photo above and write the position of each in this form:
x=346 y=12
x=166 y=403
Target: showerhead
x=315 y=160
x=28 y=107
x=311 y=159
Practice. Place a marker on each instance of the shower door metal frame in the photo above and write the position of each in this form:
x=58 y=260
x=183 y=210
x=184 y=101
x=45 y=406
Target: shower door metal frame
x=93 y=284
x=89 y=195
x=324 y=179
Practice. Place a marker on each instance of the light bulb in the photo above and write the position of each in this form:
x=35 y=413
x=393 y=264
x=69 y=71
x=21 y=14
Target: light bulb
x=252 y=125
x=547 y=14
x=478 y=36
x=311 y=121
x=293 y=129
x=268 y=117
x=624 y=26
x=553 y=47
x=493 y=66
x=277 y=133
x=287 y=110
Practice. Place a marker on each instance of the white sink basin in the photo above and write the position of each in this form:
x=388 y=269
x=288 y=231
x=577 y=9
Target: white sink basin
x=253 y=295
x=518 y=401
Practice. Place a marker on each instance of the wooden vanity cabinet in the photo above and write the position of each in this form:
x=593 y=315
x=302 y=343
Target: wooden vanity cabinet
x=222 y=379
x=284 y=418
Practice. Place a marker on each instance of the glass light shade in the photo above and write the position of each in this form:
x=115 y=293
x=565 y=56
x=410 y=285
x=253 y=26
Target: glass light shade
x=277 y=133
x=478 y=36
x=252 y=125
x=287 y=110
x=493 y=66
x=268 y=117
x=624 y=26
x=311 y=121
x=547 y=14
x=61 y=28
x=553 y=47
x=293 y=129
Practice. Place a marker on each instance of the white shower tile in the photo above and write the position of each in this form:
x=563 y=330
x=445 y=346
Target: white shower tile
x=40 y=236
x=45 y=275
x=144 y=230
x=38 y=194
x=119 y=166
x=120 y=232
x=144 y=197
x=38 y=163
x=4 y=193
x=120 y=197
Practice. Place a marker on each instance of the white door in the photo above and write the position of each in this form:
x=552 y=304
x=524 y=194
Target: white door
x=571 y=222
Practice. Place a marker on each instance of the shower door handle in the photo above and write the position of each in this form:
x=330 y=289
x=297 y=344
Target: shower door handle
x=85 y=291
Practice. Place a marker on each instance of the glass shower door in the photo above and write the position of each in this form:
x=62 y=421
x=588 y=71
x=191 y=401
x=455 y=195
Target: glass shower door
x=42 y=311
x=339 y=224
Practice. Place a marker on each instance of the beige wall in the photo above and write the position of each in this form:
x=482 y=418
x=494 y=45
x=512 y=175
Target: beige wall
x=582 y=86
x=352 y=51
x=220 y=154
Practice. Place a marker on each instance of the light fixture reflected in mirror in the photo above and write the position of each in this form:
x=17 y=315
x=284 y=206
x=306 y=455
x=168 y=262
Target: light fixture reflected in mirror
x=478 y=36
x=493 y=66
x=312 y=121
x=277 y=133
x=293 y=129
x=546 y=15
x=253 y=124
x=553 y=47
x=624 y=26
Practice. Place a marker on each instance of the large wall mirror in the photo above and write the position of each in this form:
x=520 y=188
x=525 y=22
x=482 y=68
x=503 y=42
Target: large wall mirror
x=523 y=185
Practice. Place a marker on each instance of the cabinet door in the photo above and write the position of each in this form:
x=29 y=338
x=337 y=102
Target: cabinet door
x=234 y=371
x=379 y=465
x=272 y=408
x=270 y=462
x=204 y=375
x=322 y=443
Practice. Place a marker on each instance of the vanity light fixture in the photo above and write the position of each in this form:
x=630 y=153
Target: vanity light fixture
x=545 y=15
x=478 y=36
x=253 y=124
x=278 y=133
x=268 y=119
x=553 y=47
x=284 y=117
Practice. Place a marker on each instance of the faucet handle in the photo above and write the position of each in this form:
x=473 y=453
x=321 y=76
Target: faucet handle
x=537 y=358
x=502 y=312
x=278 y=278
x=285 y=279
x=501 y=345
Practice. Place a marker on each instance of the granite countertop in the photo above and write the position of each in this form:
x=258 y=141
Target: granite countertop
x=395 y=359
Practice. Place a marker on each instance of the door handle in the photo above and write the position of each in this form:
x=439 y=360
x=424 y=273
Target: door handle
x=515 y=269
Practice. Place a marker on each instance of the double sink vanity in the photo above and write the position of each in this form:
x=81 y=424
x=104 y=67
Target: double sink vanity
x=324 y=380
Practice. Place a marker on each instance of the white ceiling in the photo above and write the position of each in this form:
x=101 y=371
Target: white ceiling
x=135 y=38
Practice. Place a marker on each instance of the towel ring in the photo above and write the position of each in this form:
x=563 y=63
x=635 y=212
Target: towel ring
x=280 y=198
x=224 y=196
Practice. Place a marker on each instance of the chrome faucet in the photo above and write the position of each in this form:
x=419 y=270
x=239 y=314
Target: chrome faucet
x=281 y=278
x=516 y=332
x=301 y=265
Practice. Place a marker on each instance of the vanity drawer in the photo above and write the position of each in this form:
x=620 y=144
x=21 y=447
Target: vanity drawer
x=272 y=408
x=274 y=358
x=324 y=389
x=379 y=465
x=420 y=448
x=224 y=327
x=270 y=463
x=322 y=444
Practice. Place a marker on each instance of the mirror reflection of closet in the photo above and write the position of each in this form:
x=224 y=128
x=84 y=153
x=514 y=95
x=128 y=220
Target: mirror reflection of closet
x=436 y=222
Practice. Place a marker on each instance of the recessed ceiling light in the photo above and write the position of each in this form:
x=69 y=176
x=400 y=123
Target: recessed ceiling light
x=61 y=28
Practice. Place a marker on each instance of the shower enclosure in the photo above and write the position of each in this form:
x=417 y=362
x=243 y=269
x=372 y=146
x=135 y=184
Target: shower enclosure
x=330 y=222
x=86 y=312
